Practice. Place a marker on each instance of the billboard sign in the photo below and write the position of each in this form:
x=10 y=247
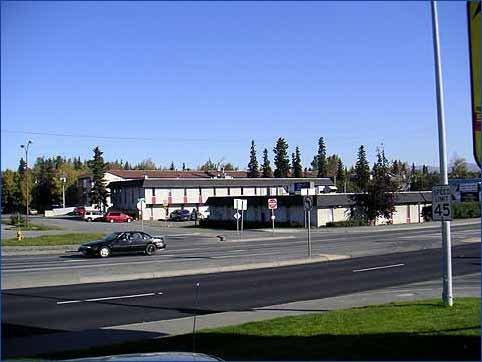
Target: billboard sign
x=473 y=20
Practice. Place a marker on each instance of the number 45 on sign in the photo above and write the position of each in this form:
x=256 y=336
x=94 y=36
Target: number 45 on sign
x=441 y=203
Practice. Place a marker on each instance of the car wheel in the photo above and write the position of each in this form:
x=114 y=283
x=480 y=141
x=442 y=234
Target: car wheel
x=111 y=220
x=89 y=219
x=104 y=252
x=150 y=249
x=129 y=220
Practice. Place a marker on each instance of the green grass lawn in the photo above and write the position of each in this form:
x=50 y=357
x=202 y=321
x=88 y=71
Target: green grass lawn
x=424 y=330
x=49 y=240
x=31 y=226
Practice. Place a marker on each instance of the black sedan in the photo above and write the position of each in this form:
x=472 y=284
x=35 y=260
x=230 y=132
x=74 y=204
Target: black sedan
x=123 y=242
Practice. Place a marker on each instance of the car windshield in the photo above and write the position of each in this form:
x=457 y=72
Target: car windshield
x=111 y=237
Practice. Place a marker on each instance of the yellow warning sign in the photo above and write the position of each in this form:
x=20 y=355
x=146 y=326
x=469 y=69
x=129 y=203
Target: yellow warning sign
x=473 y=20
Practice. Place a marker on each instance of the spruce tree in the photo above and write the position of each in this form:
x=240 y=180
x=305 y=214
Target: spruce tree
x=172 y=167
x=340 y=173
x=281 y=159
x=321 y=157
x=362 y=170
x=266 y=167
x=253 y=166
x=379 y=200
x=297 y=167
x=98 y=193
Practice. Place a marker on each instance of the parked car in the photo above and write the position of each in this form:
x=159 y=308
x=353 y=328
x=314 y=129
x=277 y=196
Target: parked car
x=180 y=215
x=32 y=211
x=79 y=211
x=93 y=215
x=124 y=242
x=112 y=216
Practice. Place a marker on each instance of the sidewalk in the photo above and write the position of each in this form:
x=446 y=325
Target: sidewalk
x=464 y=286
x=377 y=228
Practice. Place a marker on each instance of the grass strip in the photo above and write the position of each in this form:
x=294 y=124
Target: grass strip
x=31 y=226
x=50 y=240
x=421 y=330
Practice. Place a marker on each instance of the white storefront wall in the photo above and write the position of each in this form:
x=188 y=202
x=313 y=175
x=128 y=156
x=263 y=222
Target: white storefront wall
x=319 y=217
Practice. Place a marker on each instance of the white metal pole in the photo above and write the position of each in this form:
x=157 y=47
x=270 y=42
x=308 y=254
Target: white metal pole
x=63 y=194
x=447 y=295
x=272 y=219
x=242 y=221
x=237 y=221
x=308 y=217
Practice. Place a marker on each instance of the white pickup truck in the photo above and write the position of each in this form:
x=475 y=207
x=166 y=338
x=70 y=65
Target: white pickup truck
x=92 y=215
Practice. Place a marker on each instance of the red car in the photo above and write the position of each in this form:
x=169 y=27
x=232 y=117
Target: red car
x=112 y=216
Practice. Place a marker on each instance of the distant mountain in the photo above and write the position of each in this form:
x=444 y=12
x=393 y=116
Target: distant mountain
x=472 y=167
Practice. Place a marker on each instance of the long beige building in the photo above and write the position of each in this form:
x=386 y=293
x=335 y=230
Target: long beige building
x=164 y=195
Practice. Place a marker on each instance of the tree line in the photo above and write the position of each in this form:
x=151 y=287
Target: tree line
x=44 y=186
x=353 y=179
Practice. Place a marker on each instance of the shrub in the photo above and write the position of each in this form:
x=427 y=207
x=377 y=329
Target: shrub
x=465 y=210
x=460 y=210
x=17 y=220
x=347 y=223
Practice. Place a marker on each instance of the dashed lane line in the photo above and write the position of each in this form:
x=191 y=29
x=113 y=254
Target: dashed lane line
x=109 y=298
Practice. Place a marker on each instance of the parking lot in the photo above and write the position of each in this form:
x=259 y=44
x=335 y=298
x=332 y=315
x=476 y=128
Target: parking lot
x=69 y=224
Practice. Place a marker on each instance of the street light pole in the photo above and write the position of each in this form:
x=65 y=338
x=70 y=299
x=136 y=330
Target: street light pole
x=446 y=239
x=25 y=147
x=63 y=179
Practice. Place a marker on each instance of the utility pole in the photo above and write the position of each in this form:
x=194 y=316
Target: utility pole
x=25 y=147
x=446 y=239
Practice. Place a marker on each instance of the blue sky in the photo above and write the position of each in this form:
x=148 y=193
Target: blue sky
x=185 y=81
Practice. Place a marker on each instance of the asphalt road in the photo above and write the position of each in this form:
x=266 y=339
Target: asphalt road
x=195 y=251
x=91 y=306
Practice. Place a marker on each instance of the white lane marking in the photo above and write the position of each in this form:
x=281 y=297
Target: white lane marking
x=180 y=235
x=70 y=302
x=74 y=261
x=251 y=255
x=109 y=298
x=378 y=267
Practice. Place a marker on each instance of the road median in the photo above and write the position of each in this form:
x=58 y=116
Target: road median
x=83 y=275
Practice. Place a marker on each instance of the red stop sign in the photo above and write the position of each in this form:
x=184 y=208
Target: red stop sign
x=272 y=204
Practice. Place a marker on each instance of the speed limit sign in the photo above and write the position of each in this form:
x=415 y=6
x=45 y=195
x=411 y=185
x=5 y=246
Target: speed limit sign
x=441 y=203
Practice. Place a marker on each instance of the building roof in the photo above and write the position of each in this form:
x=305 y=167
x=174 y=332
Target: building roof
x=321 y=201
x=140 y=174
x=219 y=182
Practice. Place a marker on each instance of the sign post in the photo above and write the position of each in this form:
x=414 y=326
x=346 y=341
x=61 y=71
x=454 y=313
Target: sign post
x=473 y=21
x=446 y=240
x=308 y=205
x=141 y=203
x=240 y=205
x=272 y=205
